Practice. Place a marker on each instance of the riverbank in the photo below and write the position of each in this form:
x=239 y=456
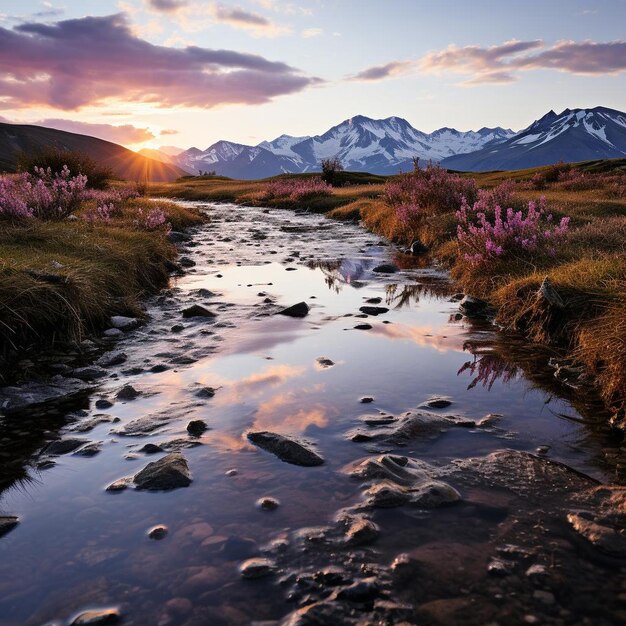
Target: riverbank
x=61 y=281
x=587 y=273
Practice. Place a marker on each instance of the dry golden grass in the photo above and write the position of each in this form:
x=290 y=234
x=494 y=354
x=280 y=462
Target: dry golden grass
x=62 y=280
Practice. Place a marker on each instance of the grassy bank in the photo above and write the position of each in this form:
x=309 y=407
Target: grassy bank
x=587 y=268
x=61 y=280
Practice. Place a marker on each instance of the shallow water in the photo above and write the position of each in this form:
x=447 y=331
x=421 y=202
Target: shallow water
x=78 y=546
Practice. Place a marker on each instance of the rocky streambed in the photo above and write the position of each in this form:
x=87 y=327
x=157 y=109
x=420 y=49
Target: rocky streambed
x=302 y=434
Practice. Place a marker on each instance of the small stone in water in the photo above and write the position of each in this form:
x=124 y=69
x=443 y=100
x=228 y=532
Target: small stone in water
x=158 y=532
x=324 y=363
x=366 y=400
x=257 y=568
x=103 y=403
x=363 y=327
x=268 y=504
x=196 y=427
x=127 y=392
x=232 y=472
x=437 y=403
x=97 y=618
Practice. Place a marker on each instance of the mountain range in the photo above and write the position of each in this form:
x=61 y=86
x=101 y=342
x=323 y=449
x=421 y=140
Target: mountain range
x=385 y=146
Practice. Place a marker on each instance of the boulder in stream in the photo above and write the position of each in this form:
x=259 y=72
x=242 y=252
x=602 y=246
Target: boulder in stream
x=286 y=449
x=170 y=472
x=296 y=310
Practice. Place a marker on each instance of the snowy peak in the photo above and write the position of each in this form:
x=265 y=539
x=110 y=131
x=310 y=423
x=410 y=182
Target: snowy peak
x=572 y=135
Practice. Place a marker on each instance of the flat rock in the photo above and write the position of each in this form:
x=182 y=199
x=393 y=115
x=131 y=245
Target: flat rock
x=373 y=310
x=112 y=358
x=13 y=399
x=89 y=373
x=8 y=523
x=127 y=392
x=296 y=310
x=64 y=446
x=286 y=449
x=385 y=268
x=101 y=617
x=606 y=539
x=170 y=472
x=197 y=310
x=122 y=322
x=257 y=568
x=474 y=307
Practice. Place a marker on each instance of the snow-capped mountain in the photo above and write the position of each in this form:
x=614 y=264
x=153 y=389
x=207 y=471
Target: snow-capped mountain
x=378 y=146
x=573 y=135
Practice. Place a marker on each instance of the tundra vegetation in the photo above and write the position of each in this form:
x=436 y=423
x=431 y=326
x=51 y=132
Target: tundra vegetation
x=72 y=254
x=500 y=234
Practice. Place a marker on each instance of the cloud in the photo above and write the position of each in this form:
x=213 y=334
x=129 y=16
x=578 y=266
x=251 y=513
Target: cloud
x=381 y=72
x=167 y=6
x=502 y=63
x=307 y=33
x=168 y=131
x=124 y=134
x=87 y=61
x=240 y=18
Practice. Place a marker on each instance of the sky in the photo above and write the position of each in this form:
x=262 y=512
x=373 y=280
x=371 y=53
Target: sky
x=151 y=73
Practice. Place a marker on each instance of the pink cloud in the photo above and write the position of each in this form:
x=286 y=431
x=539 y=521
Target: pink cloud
x=79 y=62
x=502 y=63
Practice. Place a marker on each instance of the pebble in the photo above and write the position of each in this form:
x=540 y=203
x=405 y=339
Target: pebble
x=268 y=503
x=127 y=392
x=158 y=532
x=196 y=427
x=257 y=568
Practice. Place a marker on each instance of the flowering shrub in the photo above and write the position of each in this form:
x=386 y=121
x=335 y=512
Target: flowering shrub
x=112 y=196
x=511 y=232
x=154 y=219
x=297 y=189
x=99 y=214
x=45 y=195
x=425 y=192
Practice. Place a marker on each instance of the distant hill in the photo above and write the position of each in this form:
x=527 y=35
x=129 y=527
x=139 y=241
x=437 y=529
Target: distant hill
x=573 y=135
x=16 y=138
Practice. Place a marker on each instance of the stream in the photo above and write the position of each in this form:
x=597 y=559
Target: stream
x=453 y=488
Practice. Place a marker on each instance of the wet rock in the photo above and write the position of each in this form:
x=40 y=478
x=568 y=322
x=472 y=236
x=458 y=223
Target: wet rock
x=286 y=449
x=185 y=261
x=30 y=394
x=112 y=358
x=158 y=532
x=103 y=403
x=119 y=485
x=64 y=446
x=205 y=392
x=363 y=327
x=196 y=427
x=362 y=532
x=87 y=425
x=604 y=538
x=537 y=572
x=238 y=548
x=374 y=300
x=158 y=368
x=167 y=473
x=151 y=448
x=499 y=568
x=8 y=523
x=545 y=597
x=267 y=503
x=296 y=310
x=331 y=577
x=437 y=403
x=197 y=310
x=127 y=392
x=366 y=400
x=91 y=449
x=89 y=373
x=112 y=333
x=360 y=591
x=474 y=307
x=124 y=323
x=385 y=268
x=409 y=426
x=257 y=568
x=232 y=472
x=177 y=328
x=102 y=617
x=417 y=248
x=373 y=310
x=175 y=236
x=324 y=363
